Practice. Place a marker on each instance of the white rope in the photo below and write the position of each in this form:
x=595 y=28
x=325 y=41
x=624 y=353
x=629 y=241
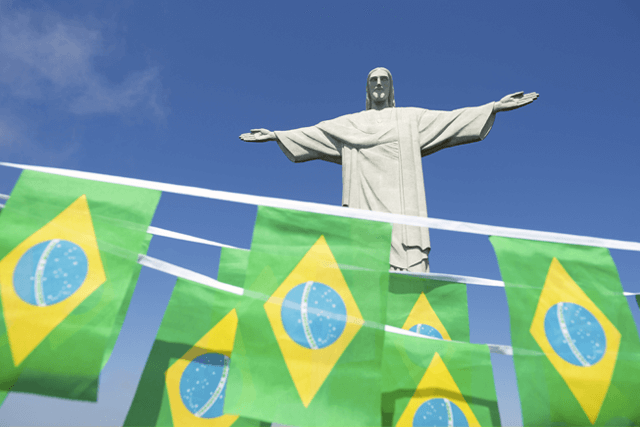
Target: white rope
x=184 y=273
x=454 y=278
x=156 y=231
x=440 y=224
x=451 y=278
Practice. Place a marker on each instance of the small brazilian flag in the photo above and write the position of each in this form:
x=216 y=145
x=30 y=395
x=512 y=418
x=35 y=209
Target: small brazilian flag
x=184 y=380
x=428 y=307
x=68 y=267
x=304 y=354
x=429 y=382
x=576 y=347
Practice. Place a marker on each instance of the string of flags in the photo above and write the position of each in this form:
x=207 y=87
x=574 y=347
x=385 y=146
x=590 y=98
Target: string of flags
x=309 y=345
x=467 y=280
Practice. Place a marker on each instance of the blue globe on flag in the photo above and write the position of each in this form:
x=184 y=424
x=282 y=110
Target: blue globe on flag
x=439 y=412
x=313 y=315
x=575 y=334
x=203 y=385
x=426 y=330
x=50 y=272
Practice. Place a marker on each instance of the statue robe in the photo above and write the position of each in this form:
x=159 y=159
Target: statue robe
x=381 y=156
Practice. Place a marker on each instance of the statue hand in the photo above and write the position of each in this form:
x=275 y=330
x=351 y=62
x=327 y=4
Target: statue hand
x=258 y=135
x=513 y=101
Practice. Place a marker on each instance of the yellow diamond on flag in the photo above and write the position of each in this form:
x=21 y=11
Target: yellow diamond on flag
x=577 y=338
x=423 y=320
x=314 y=317
x=196 y=383
x=437 y=400
x=44 y=278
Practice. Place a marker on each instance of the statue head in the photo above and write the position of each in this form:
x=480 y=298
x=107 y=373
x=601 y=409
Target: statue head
x=380 y=87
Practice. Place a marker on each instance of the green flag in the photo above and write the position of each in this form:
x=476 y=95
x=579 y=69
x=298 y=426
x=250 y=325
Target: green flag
x=183 y=382
x=304 y=354
x=3 y=395
x=68 y=265
x=432 y=382
x=576 y=347
x=428 y=307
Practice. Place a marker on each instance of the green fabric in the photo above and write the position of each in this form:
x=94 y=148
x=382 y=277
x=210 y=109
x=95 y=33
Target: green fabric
x=3 y=395
x=638 y=300
x=448 y=300
x=67 y=363
x=192 y=311
x=546 y=397
x=260 y=384
x=233 y=266
x=405 y=362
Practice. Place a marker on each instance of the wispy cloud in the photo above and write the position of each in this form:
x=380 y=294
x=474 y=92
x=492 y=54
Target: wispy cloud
x=54 y=61
x=17 y=143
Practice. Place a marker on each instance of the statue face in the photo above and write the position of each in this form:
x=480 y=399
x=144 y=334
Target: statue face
x=379 y=86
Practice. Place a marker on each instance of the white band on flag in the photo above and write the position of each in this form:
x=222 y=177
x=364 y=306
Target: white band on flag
x=440 y=224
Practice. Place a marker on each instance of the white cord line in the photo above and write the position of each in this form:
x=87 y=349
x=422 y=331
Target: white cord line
x=184 y=273
x=454 y=278
x=451 y=278
x=156 y=231
x=440 y=224
x=468 y=280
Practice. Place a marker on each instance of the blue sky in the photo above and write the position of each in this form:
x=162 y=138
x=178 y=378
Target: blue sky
x=161 y=90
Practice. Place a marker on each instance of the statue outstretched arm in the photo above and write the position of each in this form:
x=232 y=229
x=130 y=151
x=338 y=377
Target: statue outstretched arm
x=259 y=135
x=513 y=101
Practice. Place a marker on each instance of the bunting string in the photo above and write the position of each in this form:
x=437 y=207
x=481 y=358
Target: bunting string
x=451 y=278
x=434 y=223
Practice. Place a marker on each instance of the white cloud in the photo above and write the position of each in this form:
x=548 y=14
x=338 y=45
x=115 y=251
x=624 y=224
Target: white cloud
x=17 y=142
x=55 y=62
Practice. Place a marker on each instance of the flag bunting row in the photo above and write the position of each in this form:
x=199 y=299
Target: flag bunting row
x=311 y=343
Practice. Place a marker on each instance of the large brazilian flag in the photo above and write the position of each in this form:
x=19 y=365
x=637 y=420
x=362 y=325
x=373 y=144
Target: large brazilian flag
x=310 y=334
x=68 y=267
x=429 y=382
x=184 y=379
x=428 y=307
x=576 y=347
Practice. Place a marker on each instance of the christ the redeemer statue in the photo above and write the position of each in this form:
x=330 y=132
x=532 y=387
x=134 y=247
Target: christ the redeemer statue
x=381 y=149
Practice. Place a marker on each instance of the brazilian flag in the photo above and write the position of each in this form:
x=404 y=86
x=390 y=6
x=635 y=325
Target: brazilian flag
x=576 y=347
x=428 y=382
x=184 y=380
x=68 y=267
x=428 y=307
x=309 y=341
